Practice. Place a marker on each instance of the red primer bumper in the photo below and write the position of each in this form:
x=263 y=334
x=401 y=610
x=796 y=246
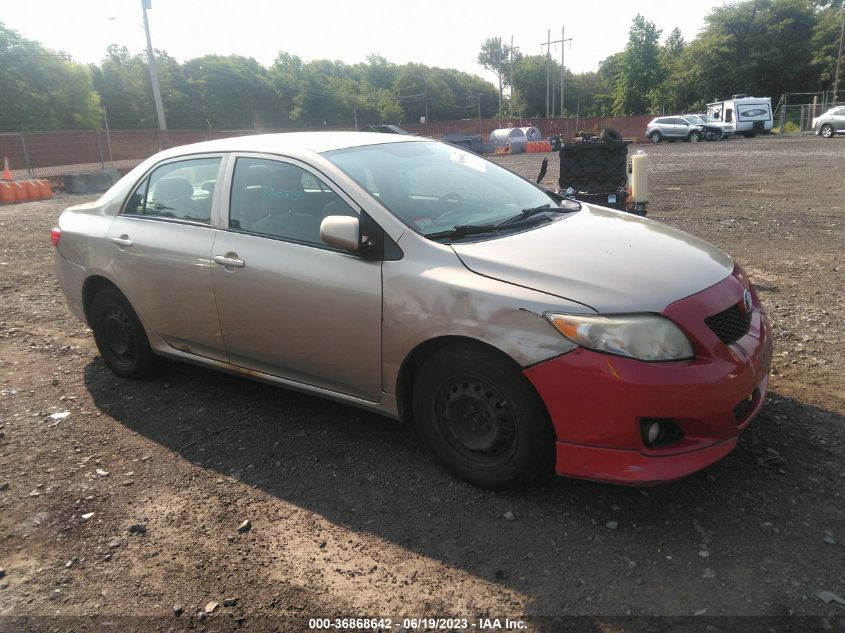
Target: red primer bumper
x=596 y=401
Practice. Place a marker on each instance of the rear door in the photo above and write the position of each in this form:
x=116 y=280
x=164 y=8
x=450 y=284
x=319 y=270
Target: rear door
x=161 y=253
x=839 y=120
x=290 y=305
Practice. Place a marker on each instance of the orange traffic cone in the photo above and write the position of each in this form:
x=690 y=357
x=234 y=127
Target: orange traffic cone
x=7 y=174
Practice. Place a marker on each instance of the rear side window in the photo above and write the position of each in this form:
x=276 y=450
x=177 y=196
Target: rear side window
x=181 y=190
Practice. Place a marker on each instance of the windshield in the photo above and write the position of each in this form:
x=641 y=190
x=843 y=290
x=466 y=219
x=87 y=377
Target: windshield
x=694 y=119
x=434 y=187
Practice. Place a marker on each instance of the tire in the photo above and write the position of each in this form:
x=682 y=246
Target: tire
x=694 y=137
x=482 y=418
x=826 y=131
x=609 y=135
x=749 y=134
x=119 y=335
x=655 y=137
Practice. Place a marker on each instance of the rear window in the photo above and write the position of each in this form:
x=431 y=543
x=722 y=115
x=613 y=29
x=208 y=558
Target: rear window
x=181 y=190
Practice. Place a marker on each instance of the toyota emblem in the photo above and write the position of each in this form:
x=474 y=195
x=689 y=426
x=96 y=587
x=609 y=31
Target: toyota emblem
x=746 y=301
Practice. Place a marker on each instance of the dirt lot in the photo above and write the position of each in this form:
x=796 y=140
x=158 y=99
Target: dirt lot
x=350 y=516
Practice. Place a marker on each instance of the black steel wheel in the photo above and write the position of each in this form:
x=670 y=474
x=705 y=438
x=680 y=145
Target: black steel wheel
x=119 y=335
x=482 y=418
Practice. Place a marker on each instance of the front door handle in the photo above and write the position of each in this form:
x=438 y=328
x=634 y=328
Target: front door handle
x=231 y=259
x=123 y=240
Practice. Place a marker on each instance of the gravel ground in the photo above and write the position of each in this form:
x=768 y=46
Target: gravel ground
x=350 y=516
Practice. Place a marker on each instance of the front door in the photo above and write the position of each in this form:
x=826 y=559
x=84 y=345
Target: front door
x=289 y=305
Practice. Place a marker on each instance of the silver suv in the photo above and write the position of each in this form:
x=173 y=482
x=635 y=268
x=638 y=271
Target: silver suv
x=673 y=128
x=830 y=123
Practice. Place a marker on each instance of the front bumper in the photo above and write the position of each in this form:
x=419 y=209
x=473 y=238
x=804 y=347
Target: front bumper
x=597 y=401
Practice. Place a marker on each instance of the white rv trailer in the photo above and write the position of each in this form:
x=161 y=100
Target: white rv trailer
x=749 y=115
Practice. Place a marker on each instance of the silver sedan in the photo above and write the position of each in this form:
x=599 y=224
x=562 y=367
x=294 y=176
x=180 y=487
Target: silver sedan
x=519 y=331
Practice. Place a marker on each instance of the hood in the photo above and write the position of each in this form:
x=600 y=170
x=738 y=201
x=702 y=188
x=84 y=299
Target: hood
x=611 y=261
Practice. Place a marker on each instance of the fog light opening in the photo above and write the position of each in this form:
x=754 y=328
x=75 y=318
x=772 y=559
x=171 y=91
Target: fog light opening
x=657 y=431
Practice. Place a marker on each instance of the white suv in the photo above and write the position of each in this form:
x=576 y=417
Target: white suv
x=831 y=122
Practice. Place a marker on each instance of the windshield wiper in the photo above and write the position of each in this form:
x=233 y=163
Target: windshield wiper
x=463 y=230
x=532 y=211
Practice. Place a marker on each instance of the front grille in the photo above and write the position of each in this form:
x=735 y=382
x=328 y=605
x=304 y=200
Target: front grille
x=730 y=325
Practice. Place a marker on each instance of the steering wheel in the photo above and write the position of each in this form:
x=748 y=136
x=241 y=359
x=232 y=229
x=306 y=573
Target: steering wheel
x=451 y=196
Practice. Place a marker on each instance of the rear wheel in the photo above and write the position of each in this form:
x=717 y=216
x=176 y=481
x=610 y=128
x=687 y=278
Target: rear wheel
x=119 y=335
x=826 y=131
x=655 y=136
x=482 y=418
x=694 y=137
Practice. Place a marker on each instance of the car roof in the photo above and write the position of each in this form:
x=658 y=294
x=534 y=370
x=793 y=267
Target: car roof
x=290 y=143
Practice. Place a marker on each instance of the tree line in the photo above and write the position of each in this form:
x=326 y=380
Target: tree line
x=760 y=47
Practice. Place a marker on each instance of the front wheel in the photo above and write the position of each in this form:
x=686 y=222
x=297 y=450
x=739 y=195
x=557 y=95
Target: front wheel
x=694 y=137
x=826 y=131
x=119 y=335
x=655 y=137
x=482 y=418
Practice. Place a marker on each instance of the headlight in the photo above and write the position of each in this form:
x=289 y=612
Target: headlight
x=644 y=336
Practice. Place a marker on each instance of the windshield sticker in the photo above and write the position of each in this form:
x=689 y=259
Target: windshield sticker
x=468 y=160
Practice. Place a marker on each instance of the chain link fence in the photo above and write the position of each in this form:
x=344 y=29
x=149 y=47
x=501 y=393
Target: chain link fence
x=796 y=110
x=56 y=154
x=59 y=153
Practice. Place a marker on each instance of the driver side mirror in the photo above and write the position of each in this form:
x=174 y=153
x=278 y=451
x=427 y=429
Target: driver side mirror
x=341 y=231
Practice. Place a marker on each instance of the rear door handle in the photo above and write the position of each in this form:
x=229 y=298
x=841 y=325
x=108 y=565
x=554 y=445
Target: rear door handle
x=123 y=240
x=229 y=261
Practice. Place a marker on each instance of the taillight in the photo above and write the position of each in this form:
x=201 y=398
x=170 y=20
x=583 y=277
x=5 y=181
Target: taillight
x=55 y=235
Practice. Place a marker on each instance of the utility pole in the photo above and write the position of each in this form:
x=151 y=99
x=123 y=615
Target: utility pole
x=513 y=81
x=838 y=61
x=548 y=61
x=548 y=44
x=563 y=42
x=425 y=92
x=162 y=125
x=480 y=133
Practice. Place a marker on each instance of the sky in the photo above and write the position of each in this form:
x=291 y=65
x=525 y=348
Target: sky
x=444 y=33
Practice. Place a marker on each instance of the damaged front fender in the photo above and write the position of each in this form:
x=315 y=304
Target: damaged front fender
x=431 y=297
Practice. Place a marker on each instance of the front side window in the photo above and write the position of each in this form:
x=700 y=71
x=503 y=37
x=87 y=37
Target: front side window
x=278 y=199
x=181 y=190
x=432 y=187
